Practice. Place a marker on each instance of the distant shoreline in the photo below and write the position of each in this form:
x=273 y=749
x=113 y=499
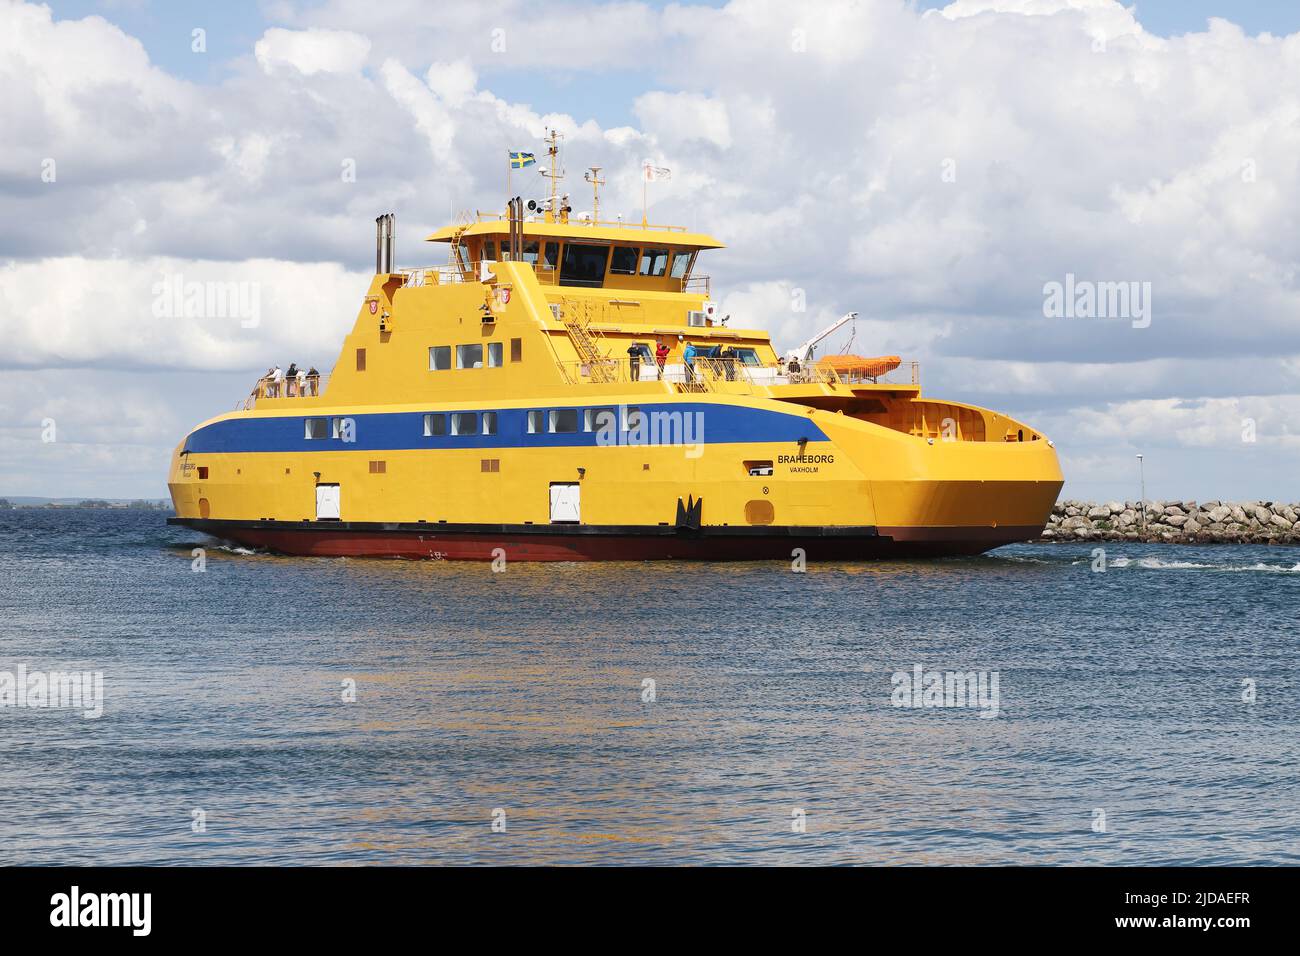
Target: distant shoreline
x=27 y=502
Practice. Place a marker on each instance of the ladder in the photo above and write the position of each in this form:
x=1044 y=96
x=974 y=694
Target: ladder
x=457 y=251
x=577 y=320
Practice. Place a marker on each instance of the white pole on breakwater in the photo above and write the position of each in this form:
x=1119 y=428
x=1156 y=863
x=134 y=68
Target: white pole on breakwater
x=1143 y=503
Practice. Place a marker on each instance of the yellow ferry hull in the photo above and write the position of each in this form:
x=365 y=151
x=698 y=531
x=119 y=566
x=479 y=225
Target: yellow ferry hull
x=839 y=489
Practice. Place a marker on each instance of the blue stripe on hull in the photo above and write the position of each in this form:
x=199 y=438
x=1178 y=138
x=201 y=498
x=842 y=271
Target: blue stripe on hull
x=385 y=431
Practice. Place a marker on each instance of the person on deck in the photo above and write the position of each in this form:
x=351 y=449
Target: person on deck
x=634 y=362
x=291 y=380
x=313 y=381
x=688 y=359
x=661 y=357
x=728 y=356
x=277 y=376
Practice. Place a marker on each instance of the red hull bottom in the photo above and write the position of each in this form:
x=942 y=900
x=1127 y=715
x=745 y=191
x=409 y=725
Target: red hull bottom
x=552 y=543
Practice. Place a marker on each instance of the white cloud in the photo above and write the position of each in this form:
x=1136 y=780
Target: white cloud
x=676 y=118
x=312 y=51
x=164 y=313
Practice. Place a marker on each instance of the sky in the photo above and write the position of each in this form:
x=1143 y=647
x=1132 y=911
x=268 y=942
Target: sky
x=940 y=168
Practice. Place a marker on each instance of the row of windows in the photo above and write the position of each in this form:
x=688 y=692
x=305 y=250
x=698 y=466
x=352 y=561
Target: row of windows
x=467 y=356
x=584 y=263
x=462 y=423
x=554 y=421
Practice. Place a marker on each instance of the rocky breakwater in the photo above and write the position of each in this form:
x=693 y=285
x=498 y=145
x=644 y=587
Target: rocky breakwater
x=1176 y=522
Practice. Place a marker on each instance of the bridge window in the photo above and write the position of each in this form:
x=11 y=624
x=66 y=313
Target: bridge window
x=682 y=264
x=489 y=423
x=563 y=420
x=469 y=356
x=440 y=358
x=584 y=265
x=551 y=255
x=747 y=357
x=623 y=261
x=464 y=423
x=495 y=354
x=435 y=425
x=654 y=262
x=490 y=250
x=316 y=428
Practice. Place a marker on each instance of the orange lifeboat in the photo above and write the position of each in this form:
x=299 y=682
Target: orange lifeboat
x=859 y=367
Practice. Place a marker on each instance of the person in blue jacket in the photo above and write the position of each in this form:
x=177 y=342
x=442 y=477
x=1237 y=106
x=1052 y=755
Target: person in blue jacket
x=688 y=359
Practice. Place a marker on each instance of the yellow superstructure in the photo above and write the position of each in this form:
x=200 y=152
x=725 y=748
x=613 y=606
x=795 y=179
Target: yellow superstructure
x=518 y=403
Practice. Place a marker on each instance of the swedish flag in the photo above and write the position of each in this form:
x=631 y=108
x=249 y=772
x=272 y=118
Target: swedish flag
x=520 y=160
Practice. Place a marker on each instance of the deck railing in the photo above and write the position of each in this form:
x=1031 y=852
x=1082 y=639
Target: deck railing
x=715 y=374
x=313 y=387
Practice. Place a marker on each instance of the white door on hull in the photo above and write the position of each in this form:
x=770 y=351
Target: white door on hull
x=565 y=507
x=327 y=502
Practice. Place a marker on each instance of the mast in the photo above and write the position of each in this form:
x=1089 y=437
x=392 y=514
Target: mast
x=593 y=176
x=554 y=173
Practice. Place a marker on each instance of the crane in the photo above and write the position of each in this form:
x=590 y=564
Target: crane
x=804 y=353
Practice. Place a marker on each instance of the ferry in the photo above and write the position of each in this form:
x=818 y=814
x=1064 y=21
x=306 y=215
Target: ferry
x=567 y=388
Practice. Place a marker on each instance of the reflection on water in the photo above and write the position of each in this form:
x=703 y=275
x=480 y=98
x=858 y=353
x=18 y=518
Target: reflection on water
x=524 y=691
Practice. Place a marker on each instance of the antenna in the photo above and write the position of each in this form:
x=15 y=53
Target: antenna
x=593 y=176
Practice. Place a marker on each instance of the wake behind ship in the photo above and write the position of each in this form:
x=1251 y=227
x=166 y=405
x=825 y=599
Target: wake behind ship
x=564 y=388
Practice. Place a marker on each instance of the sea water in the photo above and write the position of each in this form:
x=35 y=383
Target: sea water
x=267 y=709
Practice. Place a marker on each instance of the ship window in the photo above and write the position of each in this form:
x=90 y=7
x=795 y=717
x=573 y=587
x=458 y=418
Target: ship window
x=489 y=423
x=595 y=419
x=469 y=356
x=623 y=261
x=316 y=428
x=530 y=253
x=361 y=360
x=632 y=418
x=654 y=262
x=203 y=472
x=435 y=425
x=338 y=428
x=536 y=422
x=747 y=357
x=584 y=265
x=563 y=420
x=516 y=350
x=495 y=354
x=682 y=264
x=464 y=423
x=490 y=250
x=440 y=358
x=551 y=255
